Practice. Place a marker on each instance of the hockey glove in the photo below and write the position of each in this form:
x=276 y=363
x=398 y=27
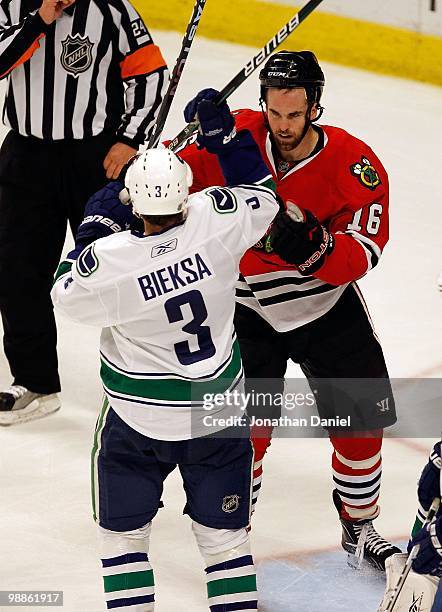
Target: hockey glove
x=429 y=482
x=217 y=132
x=104 y=215
x=191 y=109
x=429 y=557
x=299 y=238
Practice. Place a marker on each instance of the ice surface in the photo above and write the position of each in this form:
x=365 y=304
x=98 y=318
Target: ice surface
x=47 y=537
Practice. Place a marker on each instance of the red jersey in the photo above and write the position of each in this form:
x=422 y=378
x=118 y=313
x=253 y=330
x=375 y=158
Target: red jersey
x=345 y=186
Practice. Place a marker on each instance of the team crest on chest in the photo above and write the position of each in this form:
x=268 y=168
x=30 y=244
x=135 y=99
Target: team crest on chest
x=230 y=503
x=76 y=56
x=366 y=173
x=283 y=166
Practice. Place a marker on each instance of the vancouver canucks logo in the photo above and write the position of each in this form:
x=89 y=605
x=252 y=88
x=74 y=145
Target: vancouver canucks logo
x=223 y=200
x=87 y=262
x=76 y=56
x=366 y=173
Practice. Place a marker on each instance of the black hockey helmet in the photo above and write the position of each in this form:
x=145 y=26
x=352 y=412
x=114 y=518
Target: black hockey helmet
x=287 y=69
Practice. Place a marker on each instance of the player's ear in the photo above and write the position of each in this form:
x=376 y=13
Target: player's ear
x=314 y=112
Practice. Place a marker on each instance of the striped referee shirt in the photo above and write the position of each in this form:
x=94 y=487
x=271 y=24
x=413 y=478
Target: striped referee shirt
x=95 y=69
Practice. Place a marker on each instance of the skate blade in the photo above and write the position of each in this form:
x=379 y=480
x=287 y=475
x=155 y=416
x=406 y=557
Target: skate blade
x=354 y=562
x=37 y=409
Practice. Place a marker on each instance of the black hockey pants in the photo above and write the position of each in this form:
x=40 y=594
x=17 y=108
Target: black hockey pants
x=339 y=354
x=43 y=186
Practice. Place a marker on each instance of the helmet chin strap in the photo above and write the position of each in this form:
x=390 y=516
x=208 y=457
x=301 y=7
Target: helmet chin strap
x=308 y=121
x=264 y=116
x=320 y=111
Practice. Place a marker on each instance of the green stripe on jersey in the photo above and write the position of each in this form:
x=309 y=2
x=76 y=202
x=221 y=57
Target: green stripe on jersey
x=270 y=184
x=129 y=580
x=418 y=524
x=169 y=389
x=94 y=456
x=231 y=586
x=63 y=268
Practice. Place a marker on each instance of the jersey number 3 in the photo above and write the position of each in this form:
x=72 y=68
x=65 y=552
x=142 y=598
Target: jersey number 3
x=174 y=311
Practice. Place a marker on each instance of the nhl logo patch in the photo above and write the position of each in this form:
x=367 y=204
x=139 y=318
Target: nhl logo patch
x=366 y=173
x=230 y=503
x=76 y=56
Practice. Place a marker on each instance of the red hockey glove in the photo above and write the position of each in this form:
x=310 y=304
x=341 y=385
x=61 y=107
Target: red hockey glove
x=299 y=238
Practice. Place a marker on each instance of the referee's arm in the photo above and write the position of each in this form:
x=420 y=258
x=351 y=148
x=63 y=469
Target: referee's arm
x=145 y=74
x=144 y=71
x=18 y=41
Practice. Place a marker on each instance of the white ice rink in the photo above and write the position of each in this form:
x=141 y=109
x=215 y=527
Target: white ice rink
x=47 y=536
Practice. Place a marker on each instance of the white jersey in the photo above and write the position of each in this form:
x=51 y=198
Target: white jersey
x=166 y=303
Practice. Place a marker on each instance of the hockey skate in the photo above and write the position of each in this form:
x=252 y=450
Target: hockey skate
x=361 y=540
x=19 y=405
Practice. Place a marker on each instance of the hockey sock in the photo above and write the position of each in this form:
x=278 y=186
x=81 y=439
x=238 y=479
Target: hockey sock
x=261 y=439
x=127 y=574
x=230 y=571
x=357 y=469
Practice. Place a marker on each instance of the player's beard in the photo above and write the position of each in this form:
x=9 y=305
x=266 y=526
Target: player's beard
x=291 y=141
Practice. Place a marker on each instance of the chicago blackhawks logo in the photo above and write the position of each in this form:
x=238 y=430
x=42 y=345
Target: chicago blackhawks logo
x=76 y=56
x=230 y=503
x=264 y=244
x=366 y=173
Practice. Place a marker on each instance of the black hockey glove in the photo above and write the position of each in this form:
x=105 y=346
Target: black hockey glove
x=217 y=131
x=299 y=238
x=429 y=557
x=104 y=215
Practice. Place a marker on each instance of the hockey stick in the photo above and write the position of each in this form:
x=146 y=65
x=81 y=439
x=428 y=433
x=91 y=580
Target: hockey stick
x=407 y=567
x=176 y=74
x=250 y=67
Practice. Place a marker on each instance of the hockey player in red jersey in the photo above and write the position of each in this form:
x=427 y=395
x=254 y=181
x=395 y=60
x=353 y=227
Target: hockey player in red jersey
x=297 y=297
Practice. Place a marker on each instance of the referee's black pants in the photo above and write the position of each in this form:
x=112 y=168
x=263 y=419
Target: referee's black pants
x=43 y=186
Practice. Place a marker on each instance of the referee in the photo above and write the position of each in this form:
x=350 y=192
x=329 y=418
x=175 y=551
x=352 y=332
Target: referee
x=84 y=84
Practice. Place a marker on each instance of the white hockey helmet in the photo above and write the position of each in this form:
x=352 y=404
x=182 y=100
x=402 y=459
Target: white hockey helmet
x=158 y=183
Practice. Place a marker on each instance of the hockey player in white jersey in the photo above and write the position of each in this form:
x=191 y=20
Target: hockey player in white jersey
x=421 y=591
x=165 y=300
